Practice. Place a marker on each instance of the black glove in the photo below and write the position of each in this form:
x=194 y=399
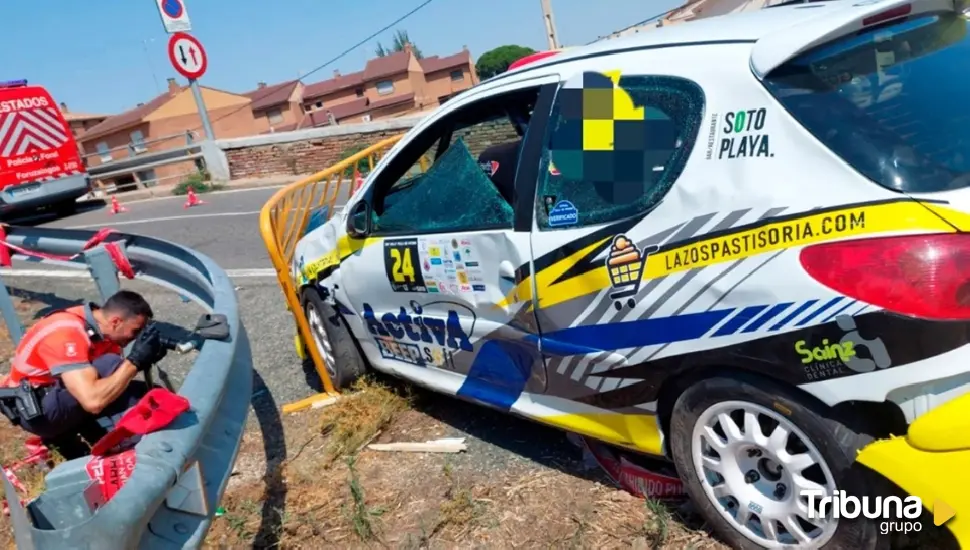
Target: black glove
x=147 y=349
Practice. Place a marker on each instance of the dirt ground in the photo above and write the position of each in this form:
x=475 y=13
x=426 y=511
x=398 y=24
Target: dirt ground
x=338 y=492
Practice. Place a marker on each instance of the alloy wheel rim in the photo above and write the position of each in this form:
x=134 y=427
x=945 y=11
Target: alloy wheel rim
x=321 y=339
x=753 y=464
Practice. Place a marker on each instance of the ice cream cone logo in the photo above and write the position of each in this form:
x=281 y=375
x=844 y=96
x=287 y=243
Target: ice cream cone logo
x=624 y=261
x=625 y=264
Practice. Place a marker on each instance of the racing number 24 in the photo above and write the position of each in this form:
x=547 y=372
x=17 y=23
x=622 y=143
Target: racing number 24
x=402 y=263
x=403 y=267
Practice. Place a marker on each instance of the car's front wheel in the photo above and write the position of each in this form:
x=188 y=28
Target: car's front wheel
x=749 y=451
x=334 y=341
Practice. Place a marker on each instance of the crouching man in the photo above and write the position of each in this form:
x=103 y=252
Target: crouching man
x=72 y=361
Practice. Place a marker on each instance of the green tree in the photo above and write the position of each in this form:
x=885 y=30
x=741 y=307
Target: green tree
x=397 y=45
x=496 y=61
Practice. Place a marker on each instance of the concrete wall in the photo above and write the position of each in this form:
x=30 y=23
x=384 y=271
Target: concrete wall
x=307 y=151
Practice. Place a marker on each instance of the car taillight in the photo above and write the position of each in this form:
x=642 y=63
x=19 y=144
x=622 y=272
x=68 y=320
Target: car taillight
x=925 y=276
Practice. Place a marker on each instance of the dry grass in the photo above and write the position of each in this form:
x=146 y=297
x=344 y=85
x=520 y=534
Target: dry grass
x=354 y=421
x=12 y=439
x=336 y=493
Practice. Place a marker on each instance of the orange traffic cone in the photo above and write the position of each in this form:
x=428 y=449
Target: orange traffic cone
x=116 y=208
x=192 y=199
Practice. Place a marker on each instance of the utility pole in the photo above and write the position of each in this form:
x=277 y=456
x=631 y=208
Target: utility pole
x=550 y=24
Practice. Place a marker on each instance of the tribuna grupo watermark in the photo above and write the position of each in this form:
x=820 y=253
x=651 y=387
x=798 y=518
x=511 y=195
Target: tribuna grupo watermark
x=895 y=515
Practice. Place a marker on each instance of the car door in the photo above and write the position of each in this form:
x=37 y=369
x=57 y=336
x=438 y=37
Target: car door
x=609 y=158
x=442 y=255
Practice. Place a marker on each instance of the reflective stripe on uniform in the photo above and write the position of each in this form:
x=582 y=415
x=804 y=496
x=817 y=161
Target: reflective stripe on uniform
x=21 y=363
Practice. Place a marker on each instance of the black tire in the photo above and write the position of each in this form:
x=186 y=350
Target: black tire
x=349 y=362
x=837 y=444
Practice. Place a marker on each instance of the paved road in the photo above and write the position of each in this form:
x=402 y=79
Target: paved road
x=226 y=227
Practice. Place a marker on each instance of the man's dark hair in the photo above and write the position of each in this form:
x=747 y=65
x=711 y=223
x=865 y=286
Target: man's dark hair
x=128 y=304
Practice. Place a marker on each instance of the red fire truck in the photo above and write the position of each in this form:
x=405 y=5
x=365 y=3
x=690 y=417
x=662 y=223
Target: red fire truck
x=40 y=163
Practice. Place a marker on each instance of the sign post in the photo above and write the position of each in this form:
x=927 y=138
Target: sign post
x=175 y=18
x=189 y=59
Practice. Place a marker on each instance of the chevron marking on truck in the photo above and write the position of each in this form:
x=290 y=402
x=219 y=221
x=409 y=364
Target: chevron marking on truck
x=23 y=132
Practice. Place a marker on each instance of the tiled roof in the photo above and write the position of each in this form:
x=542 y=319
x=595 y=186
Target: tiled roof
x=128 y=118
x=271 y=95
x=360 y=106
x=389 y=65
x=332 y=85
x=435 y=63
x=71 y=117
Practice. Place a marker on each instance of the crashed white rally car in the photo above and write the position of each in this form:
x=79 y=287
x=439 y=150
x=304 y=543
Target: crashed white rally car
x=737 y=243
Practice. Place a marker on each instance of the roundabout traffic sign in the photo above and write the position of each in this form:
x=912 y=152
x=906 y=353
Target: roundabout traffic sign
x=187 y=55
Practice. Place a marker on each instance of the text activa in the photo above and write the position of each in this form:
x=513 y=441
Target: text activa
x=21 y=104
x=419 y=328
x=825 y=352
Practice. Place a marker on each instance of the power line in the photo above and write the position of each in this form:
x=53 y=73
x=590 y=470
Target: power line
x=338 y=57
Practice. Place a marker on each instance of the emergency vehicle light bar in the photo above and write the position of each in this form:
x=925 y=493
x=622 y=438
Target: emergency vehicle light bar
x=13 y=83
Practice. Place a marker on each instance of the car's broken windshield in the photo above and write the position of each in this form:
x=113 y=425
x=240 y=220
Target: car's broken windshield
x=891 y=101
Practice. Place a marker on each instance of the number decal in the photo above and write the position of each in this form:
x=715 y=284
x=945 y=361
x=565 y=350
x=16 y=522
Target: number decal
x=400 y=258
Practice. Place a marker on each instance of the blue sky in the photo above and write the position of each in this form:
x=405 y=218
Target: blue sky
x=91 y=54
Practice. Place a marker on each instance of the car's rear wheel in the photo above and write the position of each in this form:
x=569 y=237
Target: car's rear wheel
x=334 y=341
x=748 y=449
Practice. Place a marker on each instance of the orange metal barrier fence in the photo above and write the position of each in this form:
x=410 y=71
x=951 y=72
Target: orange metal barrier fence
x=282 y=221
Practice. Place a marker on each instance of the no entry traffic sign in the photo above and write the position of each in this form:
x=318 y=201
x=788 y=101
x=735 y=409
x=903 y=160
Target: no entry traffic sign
x=187 y=55
x=174 y=16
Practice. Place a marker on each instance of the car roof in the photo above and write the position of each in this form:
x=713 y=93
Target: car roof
x=776 y=33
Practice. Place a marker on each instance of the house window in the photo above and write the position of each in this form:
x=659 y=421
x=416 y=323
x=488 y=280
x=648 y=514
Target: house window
x=307 y=108
x=138 y=141
x=319 y=105
x=458 y=75
x=360 y=92
x=104 y=152
x=275 y=116
x=385 y=87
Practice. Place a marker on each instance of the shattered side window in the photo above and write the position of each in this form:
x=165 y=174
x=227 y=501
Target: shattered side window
x=454 y=195
x=616 y=145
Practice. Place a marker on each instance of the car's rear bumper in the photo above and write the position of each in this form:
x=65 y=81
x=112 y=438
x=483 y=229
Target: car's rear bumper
x=931 y=462
x=44 y=193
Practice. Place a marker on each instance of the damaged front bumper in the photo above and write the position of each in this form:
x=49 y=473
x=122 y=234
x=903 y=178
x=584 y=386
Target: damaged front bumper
x=932 y=462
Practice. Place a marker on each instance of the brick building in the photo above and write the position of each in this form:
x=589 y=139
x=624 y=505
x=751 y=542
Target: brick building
x=395 y=85
x=81 y=122
x=166 y=121
x=277 y=106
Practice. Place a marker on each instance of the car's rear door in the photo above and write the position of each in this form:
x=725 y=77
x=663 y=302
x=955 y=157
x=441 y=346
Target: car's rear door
x=610 y=156
x=443 y=252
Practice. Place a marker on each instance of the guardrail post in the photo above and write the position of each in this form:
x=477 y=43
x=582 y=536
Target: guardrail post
x=10 y=316
x=103 y=271
x=215 y=161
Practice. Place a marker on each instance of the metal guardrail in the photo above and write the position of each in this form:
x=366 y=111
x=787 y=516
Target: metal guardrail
x=135 y=148
x=163 y=504
x=146 y=161
x=283 y=220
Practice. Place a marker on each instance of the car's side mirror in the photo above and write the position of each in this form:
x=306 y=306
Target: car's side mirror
x=358 y=222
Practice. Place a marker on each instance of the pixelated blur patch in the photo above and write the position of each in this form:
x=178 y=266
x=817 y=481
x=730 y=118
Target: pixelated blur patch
x=600 y=135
